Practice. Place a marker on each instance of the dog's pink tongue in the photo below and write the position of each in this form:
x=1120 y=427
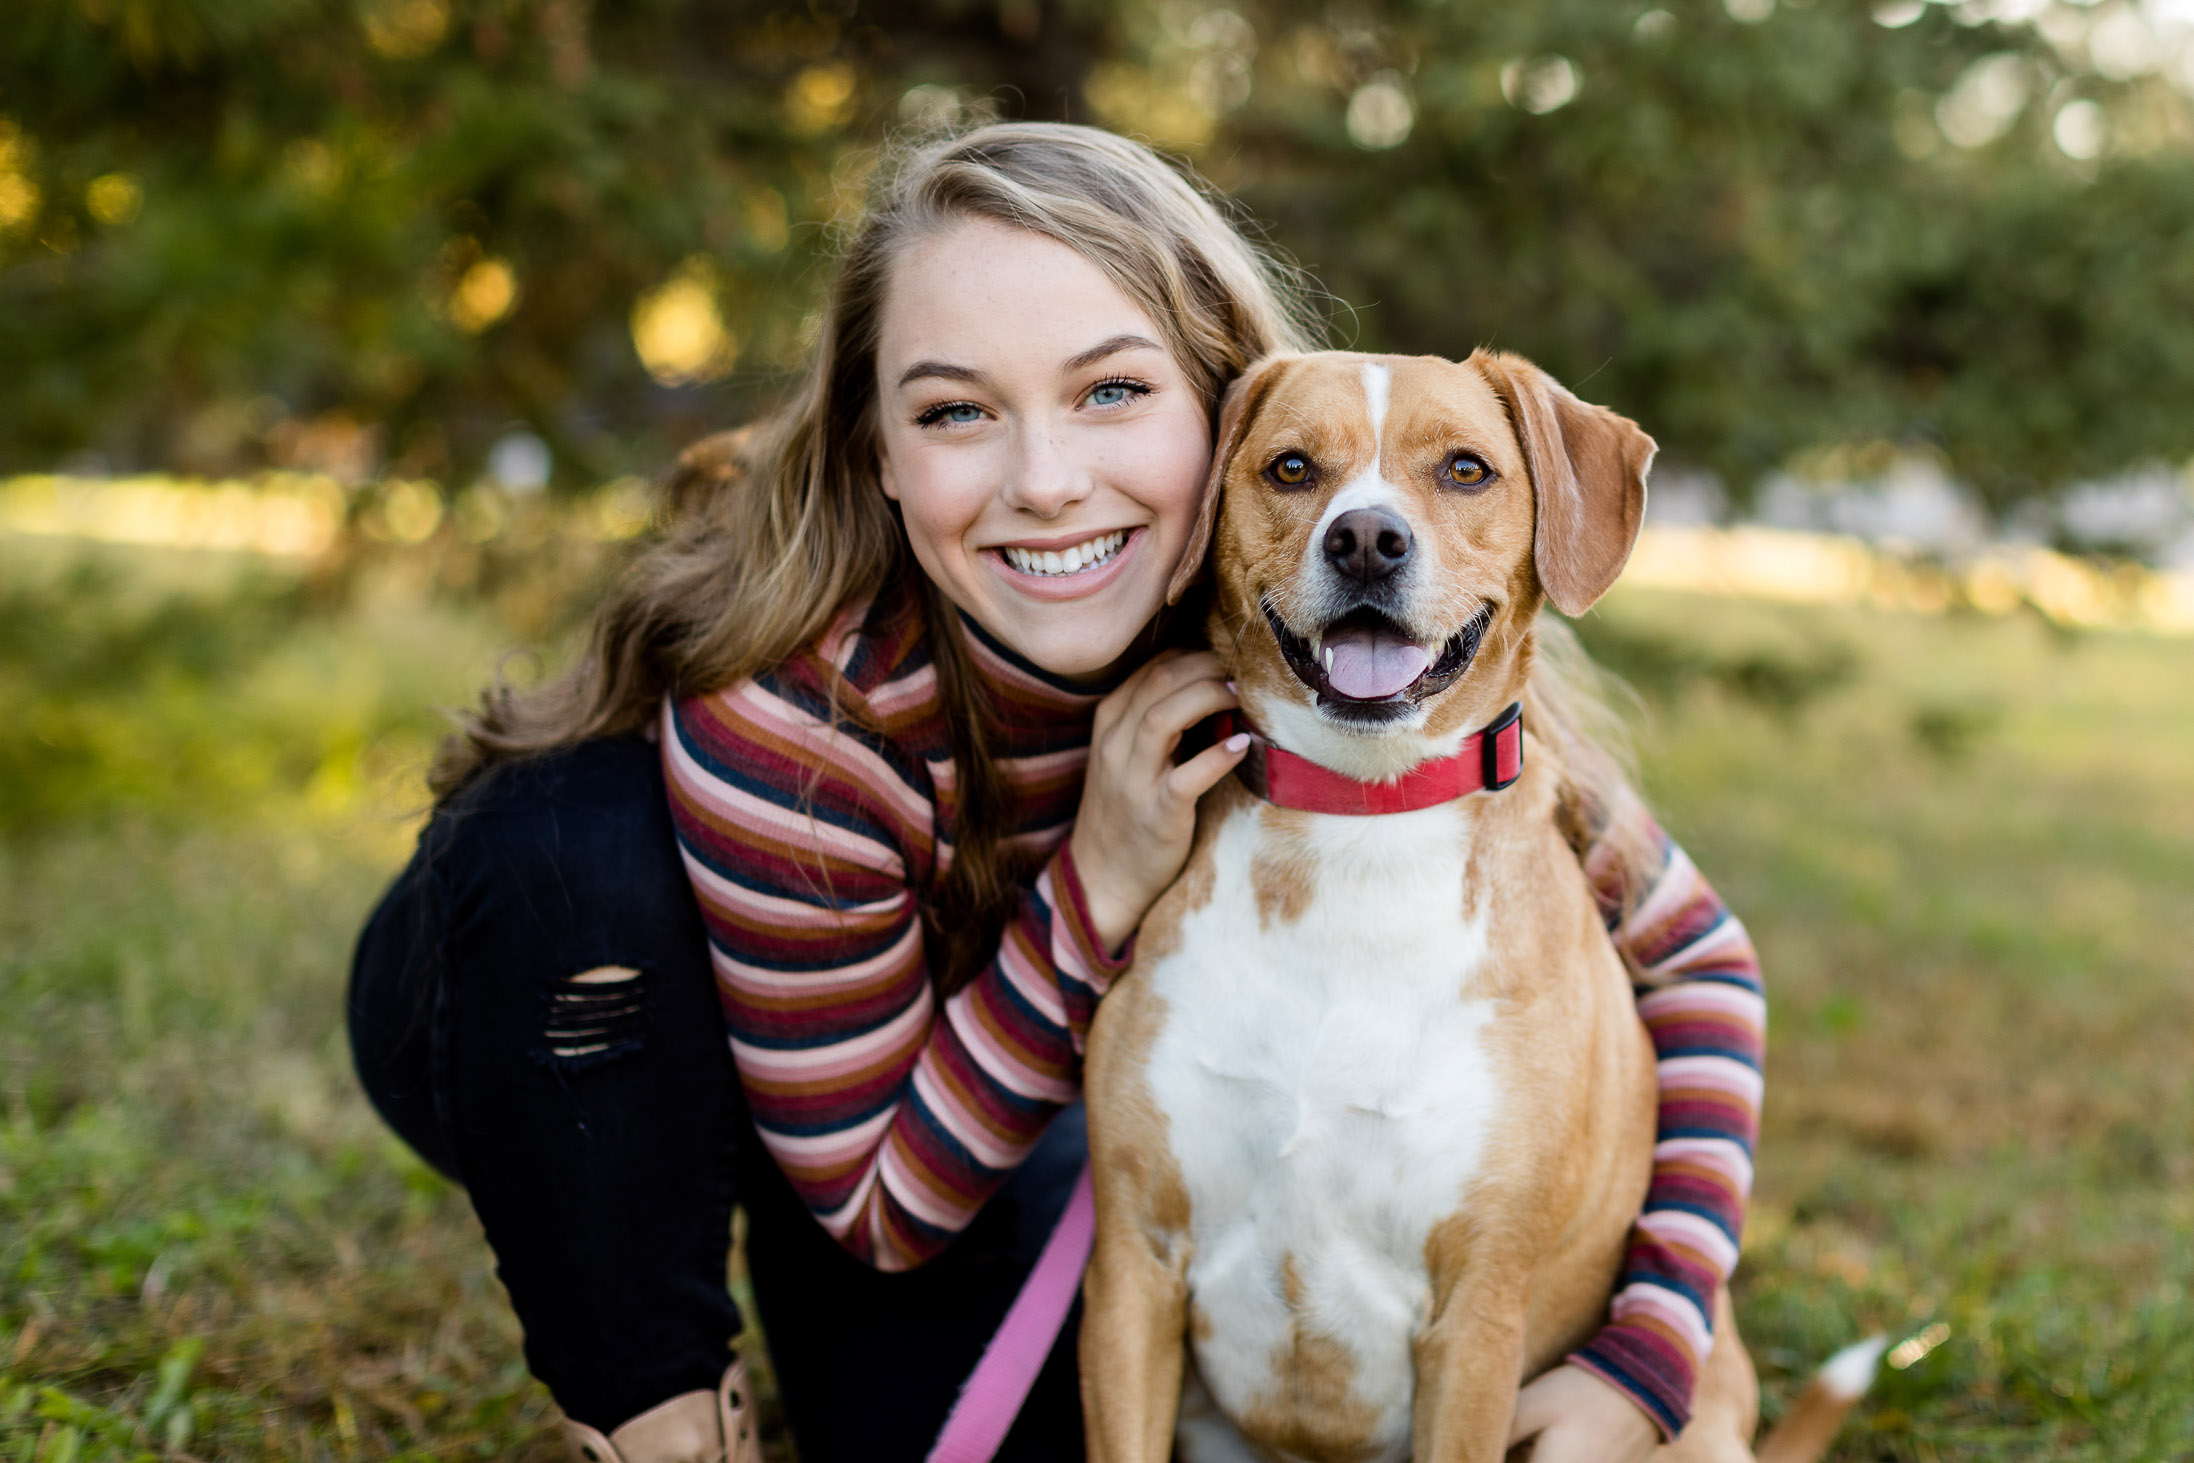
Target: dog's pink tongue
x=1369 y=665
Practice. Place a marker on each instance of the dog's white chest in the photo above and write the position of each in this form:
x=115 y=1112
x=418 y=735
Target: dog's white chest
x=1328 y=1101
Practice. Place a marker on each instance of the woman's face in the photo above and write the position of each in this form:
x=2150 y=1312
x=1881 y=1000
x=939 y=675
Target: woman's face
x=1046 y=452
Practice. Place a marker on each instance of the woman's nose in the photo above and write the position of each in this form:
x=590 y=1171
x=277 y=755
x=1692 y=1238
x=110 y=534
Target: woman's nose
x=1046 y=478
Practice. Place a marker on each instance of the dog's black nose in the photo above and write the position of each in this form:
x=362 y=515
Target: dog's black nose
x=1368 y=544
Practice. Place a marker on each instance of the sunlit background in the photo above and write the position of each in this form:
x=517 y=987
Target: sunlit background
x=340 y=342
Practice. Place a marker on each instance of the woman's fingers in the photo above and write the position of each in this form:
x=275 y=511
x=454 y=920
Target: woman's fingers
x=1137 y=816
x=1201 y=773
x=1161 y=677
x=1181 y=663
x=1537 y=1405
x=1529 y=1423
x=1565 y=1445
x=1571 y=1416
x=1159 y=730
x=1142 y=720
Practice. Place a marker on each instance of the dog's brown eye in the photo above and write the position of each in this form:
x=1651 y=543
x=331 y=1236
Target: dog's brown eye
x=1291 y=468
x=1466 y=471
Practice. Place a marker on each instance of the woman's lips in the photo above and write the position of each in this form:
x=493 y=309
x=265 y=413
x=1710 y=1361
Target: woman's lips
x=1065 y=586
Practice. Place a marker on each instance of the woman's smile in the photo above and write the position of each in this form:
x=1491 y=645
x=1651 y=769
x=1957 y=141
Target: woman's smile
x=1075 y=558
x=1085 y=566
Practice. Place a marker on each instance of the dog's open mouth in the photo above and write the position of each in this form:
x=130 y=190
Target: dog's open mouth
x=1368 y=668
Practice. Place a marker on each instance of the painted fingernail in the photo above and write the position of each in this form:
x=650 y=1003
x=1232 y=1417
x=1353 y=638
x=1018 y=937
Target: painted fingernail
x=1234 y=688
x=1238 y=741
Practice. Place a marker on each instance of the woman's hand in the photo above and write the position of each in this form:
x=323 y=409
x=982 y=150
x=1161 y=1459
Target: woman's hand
x=1578 y=1418
x=1138 y=810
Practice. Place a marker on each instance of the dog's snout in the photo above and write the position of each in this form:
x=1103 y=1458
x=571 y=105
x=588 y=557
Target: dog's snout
x=1368 y=544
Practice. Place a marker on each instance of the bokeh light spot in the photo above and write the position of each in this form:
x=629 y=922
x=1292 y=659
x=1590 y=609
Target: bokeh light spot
x=2080 y=130
x=1539 y=84
x=520 y=461
x=403 y=30
x=820 y=97
x=114 y=198
x=1987 y=99
x=2122 y=44
x=930 y=105
x=412 y=509
x=678 y=330
x=485 y=293
x=18 y=193
x=1380 y=113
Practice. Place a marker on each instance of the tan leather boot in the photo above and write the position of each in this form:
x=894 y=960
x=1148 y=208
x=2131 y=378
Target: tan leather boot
x=700 y=1427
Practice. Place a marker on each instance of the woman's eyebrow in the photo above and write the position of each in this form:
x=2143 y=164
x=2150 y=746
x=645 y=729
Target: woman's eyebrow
x=944 y=369
x=1111 y=347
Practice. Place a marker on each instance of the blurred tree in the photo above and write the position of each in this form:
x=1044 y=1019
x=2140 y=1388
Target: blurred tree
x=1758 y=229
x=380 y=232
x=371 y=232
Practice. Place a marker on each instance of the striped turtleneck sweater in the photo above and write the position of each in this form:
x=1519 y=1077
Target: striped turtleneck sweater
x=816 y=804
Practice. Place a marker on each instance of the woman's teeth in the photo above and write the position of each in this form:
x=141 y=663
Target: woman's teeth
x=1066 y=561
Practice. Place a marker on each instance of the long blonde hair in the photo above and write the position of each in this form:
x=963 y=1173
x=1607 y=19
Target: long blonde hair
x=1578 y=709
x=770 y=533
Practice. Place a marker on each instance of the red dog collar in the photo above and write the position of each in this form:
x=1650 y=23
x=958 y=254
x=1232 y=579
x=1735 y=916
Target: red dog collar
x=1490 y=759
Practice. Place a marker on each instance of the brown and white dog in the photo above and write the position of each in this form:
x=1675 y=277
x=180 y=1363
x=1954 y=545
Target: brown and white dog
x=1372 y=1113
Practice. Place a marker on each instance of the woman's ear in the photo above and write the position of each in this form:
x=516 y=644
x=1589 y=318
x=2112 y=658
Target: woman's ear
x=884 y=478
x=1235 y=410
x=1588 y=479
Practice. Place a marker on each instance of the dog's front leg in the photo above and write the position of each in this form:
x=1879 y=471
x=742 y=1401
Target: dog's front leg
x=1470 y=1363
x=1134 y=1335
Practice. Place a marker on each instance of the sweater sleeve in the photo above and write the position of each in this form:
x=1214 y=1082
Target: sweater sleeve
x=1697 y=981
x=894 y=1116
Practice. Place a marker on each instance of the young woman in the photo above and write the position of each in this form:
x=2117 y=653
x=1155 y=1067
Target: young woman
x=872 y=758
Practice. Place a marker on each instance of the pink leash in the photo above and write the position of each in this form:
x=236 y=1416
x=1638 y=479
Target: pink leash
x=999 y=1384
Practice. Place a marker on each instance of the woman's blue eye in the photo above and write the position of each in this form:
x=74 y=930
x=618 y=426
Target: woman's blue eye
x=963 y=413
x=1113 y=393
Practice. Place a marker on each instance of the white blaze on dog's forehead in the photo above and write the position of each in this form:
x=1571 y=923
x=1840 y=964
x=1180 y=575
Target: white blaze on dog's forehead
x=1377 y=380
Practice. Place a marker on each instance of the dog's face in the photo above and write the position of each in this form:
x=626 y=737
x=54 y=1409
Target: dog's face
x=1387 y=527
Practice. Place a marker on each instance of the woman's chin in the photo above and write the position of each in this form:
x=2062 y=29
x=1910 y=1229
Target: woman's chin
x=1073 y=653
x=1074 y=640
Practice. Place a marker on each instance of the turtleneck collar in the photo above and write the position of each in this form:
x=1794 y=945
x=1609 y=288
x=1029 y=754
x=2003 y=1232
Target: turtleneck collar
x=1029 y=699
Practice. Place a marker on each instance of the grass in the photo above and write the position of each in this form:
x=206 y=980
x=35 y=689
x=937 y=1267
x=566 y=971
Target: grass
x=1966 y=847
x=1978 y=1105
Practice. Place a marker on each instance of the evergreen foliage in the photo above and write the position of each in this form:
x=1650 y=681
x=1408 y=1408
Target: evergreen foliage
x=374 y=235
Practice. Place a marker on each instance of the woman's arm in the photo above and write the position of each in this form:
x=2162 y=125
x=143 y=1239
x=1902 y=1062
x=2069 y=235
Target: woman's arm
x=893 y=1120
x=1698 y=984
x=896 y=1119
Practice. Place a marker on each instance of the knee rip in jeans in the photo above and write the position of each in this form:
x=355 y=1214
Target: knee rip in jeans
x=593 y=1017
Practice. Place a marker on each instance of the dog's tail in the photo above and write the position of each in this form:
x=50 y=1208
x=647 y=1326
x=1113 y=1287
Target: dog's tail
x=1811 y=1423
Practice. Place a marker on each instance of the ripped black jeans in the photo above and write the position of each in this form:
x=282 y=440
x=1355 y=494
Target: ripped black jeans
x=532 y=1009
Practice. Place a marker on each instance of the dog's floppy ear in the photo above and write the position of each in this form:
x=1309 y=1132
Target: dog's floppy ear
x=1235 y=409
x=1588 y=478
